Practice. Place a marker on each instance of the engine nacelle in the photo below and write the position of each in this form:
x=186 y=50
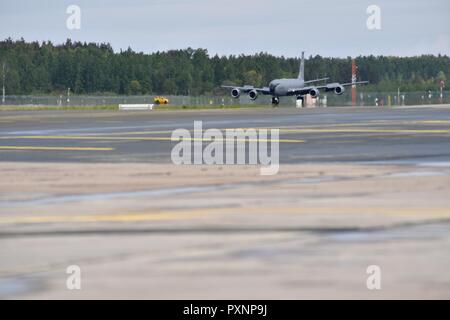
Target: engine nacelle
x=339 y=90
x=235 y=93
x=253 y=94
x=314 y=92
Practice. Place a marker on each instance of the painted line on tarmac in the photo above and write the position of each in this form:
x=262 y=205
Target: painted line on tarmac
x=348 y=130
x=137 y=132
x=102 y=218
x=307 y=129
x=431 y=214
x=54 y=148
x=150 y=139
x=433 y=121
x=285 y=128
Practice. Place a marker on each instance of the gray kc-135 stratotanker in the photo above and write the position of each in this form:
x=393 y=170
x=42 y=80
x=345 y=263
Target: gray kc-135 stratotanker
x=291 y=87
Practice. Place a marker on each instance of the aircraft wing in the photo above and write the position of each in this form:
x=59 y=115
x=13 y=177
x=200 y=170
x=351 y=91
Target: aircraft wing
x=351 y=83
x=246 y=89
x=301 y=91
x=332 y=86
x=317 y=80
x=325 y=87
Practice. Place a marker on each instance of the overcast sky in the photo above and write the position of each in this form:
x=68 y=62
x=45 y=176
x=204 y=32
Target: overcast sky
x=280 y=27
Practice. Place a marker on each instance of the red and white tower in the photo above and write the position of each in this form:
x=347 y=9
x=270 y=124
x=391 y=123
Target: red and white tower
x=354 y=68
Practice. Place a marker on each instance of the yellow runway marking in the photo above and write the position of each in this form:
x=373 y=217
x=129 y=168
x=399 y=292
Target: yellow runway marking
x=344 y=130
x=340 y=141
x=149 y=139
x=314 y=129
x=319 y=130
x=429 y=213
x=433 y=121
x=329 y=126
x=54 y=148
x=138 y=133
x=348 y=135
x=102 y=218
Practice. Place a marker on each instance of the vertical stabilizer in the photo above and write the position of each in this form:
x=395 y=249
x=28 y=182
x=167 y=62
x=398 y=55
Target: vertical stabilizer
x=301 y=74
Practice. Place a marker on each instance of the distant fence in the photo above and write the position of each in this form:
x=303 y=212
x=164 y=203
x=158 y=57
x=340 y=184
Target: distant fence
x=329 y=99
x=389 y=98
x=81 y=100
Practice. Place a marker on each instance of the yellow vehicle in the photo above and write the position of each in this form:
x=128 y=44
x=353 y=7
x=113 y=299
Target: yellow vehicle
x=161 y=100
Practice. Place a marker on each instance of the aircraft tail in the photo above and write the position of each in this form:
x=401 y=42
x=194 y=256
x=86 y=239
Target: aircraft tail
x=301 y=73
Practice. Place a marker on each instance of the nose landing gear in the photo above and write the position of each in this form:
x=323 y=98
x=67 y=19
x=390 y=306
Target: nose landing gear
x=275 y=101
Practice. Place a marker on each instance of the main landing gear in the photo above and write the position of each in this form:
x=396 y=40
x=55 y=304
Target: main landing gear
x=300 y=101
x=275 y=101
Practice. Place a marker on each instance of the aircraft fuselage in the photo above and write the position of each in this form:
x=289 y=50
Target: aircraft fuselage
x=280 y=87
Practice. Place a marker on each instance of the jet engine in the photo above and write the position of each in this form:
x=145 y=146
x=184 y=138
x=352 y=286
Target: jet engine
x=253 y=94
x=339 y=90
x=314 y=92
x=235 y=93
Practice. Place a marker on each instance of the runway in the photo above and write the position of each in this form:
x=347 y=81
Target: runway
x=317 y=135
x=356 y=187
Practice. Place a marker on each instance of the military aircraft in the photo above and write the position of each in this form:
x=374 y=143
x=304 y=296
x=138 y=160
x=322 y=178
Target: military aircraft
x=291 y=87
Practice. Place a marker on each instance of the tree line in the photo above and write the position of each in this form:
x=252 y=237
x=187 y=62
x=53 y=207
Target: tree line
x=94 y=68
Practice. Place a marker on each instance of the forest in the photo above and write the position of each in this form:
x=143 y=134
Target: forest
x=95 y=68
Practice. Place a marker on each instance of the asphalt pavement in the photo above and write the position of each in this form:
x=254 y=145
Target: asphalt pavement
x=410 y=134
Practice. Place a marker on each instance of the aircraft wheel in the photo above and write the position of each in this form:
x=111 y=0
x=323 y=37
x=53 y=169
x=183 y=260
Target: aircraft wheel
x=300 y=102
x=275 y=101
